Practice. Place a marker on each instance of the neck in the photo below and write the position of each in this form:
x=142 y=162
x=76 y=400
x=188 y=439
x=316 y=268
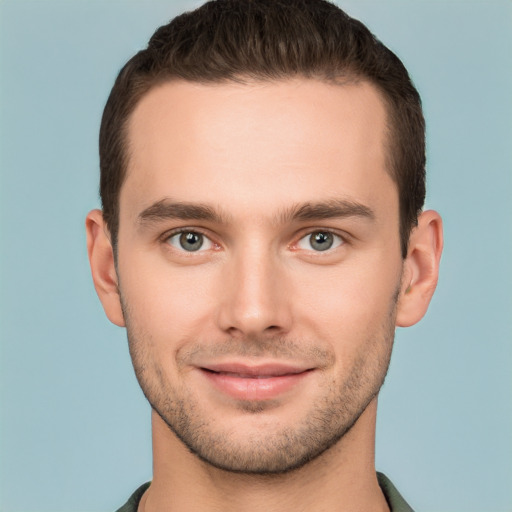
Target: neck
x=342 y=478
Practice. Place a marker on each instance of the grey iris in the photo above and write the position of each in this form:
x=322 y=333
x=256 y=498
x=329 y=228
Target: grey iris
x=321 y=241
x=191 y=241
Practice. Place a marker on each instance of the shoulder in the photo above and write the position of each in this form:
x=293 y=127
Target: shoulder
x=395 y=500
x=133 y=502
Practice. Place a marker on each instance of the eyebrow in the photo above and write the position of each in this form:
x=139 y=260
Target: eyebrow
x=331 y=209
x=166 y=209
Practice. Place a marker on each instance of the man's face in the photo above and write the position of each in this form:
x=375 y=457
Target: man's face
x=259 y=264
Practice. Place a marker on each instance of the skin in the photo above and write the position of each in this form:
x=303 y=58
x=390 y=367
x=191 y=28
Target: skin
x=256 y=170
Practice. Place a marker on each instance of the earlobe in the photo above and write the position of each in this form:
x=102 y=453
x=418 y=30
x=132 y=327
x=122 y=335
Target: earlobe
x=101 y=259
x=421 y=269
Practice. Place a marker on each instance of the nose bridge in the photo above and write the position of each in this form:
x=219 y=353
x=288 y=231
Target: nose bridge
x=253 y=301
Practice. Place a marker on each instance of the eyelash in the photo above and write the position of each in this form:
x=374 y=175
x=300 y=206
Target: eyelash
x=338 y=241
x=166 y=238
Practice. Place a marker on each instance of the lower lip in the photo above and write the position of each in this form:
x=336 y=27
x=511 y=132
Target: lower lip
x=247 y=388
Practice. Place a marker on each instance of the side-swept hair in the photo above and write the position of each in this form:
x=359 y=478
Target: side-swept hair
x=266 y=40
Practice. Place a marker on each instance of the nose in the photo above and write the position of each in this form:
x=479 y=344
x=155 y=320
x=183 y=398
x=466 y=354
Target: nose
x=254 y=295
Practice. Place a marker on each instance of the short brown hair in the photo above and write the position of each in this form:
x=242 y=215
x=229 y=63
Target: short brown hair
x=238 y=40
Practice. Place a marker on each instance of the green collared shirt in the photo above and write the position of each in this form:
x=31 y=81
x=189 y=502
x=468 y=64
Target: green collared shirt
x=393 y=497
x=395 y=500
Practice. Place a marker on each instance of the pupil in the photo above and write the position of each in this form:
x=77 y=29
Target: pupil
x=321 y=241
x=191 y=241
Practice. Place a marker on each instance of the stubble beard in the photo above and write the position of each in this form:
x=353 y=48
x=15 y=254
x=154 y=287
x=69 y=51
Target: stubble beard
x=282 y=450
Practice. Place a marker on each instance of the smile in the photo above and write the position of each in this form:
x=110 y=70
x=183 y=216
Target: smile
x=263 y=382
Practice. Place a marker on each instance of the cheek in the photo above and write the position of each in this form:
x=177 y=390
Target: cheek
x=168 y=303
x=349 y=303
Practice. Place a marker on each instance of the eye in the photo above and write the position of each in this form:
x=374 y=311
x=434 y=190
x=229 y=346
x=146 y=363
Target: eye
x=320 y=241
x=190 y=241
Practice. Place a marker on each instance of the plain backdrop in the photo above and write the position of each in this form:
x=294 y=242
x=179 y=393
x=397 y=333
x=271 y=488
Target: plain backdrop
x=75 y=428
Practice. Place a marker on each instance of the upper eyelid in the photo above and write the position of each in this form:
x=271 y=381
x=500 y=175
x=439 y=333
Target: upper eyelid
x=175 y=231
x=309 y=231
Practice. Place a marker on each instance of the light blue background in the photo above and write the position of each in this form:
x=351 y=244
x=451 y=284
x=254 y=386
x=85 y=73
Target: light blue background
x=75 y=429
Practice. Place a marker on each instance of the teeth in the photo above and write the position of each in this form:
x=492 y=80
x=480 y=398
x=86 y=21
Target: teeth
x=247 y=376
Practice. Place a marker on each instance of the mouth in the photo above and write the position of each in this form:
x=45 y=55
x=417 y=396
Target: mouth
x=255 y=382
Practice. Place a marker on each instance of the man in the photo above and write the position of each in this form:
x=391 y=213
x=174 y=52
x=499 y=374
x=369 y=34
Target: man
x=262 y=234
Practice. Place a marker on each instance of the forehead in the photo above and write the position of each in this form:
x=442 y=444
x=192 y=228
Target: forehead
x=258 y=143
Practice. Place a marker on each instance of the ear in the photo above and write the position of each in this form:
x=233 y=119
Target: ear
x=101 y=259
x=421 y=269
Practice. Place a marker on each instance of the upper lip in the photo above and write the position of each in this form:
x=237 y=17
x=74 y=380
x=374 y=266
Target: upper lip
x=273 y=369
